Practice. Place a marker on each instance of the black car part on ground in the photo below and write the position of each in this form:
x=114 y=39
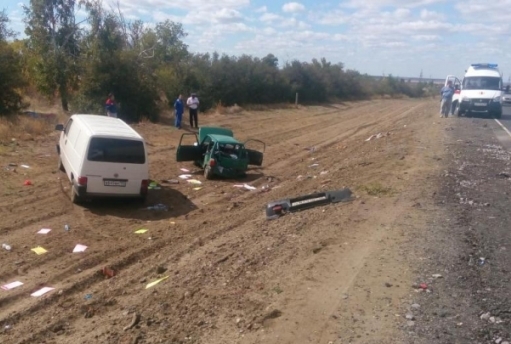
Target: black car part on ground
x=279 y=208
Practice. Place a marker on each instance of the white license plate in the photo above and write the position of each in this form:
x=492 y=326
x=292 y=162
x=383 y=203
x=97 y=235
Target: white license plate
x=114 y=183
x=480 y=104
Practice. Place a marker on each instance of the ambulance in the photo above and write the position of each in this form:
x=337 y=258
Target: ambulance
x=480 y=91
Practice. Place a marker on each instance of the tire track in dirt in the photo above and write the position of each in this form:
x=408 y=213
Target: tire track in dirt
x=277 y=164
x=195 y=247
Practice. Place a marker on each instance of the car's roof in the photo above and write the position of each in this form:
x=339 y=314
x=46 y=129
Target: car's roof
x=224 y=139
x=106 y=126
x=482 y=72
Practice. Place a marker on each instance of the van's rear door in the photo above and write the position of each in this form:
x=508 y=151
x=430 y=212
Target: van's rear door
x=115 y=166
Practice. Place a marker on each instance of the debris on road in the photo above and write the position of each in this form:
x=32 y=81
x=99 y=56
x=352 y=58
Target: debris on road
x=25 y=166
x=378 y=136
x=194 y=181
x=170 y=181
x=39 y=250
x=12 y=285
x=27 y=183
x=134 y=321
x=7 y=247
x=279 y=208
x=437 y=276
x=246 y=186
x=140 y=231
x=79 y=248
x=185 y=176
x=158 y=207
x=154 y=186
x=108 y=272
x=42 y=291
x=152 y=284
x=44 y=231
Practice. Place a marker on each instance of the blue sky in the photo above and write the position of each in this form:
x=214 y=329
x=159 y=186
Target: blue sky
x=398 y=37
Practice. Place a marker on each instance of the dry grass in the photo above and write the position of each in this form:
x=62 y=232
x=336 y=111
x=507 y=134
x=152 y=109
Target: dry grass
x=24 y=127
x=236 y=109
x=376 y=189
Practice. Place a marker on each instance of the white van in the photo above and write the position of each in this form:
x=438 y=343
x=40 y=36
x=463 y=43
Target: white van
x=481 y=91
x=102 y=156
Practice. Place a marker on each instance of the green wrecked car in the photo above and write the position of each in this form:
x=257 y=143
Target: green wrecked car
x=218 y=153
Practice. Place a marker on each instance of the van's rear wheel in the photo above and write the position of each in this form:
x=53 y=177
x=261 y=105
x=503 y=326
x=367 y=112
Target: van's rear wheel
x=61 y=166
x=75 y=199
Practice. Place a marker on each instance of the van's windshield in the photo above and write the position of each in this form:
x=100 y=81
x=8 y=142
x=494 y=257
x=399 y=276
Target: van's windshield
x=116 y=150
x=481 y=83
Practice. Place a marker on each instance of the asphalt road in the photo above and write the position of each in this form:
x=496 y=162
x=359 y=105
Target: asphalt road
x=506 y=116
x=503 y=136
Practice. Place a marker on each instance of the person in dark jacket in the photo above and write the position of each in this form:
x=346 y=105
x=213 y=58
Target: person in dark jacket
x=178 y=110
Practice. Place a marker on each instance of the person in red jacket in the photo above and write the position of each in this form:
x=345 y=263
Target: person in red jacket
x=111 y=107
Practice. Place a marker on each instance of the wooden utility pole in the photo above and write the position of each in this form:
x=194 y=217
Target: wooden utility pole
x=296 y=99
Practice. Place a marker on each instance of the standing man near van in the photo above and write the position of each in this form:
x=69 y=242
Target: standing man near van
x=446 y=92
x=193 y=105
x=178 y=110
x=111 y=108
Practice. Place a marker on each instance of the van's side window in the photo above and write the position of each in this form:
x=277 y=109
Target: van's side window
x=68 y=126
x=116 y=150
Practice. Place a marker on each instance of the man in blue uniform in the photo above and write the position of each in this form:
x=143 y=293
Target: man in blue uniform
x=178 y=110
x=446 y=92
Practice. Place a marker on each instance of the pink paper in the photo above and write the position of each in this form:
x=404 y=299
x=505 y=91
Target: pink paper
x=44 y=231
x=185 y=170
x=79 y=248
x=41 y=291
x=12 y=285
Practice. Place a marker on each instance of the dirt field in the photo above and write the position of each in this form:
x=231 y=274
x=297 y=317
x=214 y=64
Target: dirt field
x=334 y=274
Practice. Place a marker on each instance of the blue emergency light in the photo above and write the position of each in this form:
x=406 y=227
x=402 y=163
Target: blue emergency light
x=485 y=65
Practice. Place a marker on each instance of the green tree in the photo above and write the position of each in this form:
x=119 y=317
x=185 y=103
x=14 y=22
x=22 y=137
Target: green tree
x=53 y=41
x=11 y=77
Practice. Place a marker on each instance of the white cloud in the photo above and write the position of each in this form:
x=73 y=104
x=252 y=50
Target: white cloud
x=228 y=15
x=431 y=15
x=269 y=17
x=262 y=9
x=292 y=7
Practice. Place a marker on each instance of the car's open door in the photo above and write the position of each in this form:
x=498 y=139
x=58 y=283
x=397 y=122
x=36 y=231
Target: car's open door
x=255 y=157
x=188 y=152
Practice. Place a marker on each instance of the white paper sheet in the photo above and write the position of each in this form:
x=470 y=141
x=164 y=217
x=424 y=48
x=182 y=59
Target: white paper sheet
x=79 y=248
x=41 y=291
x=12 y=285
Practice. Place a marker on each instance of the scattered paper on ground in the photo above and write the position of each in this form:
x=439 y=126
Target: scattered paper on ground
x=79 y=248
x=25 y=166
x=44 y=231
x=194 y=181
x=41 y=291
x=156 y=282
x=314 y=165
x=141 y=231
x=12 y=285
x=196 y=189
x=249 y=187
x=39 y=250
x=184 y=170
x=185 y=176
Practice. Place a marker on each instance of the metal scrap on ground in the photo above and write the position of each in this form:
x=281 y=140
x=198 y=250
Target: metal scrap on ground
x=279 y=208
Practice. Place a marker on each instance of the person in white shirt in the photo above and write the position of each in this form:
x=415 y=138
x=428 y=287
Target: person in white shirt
x=193 y=106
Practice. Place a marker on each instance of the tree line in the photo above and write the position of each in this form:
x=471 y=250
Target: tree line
x=146 y=67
